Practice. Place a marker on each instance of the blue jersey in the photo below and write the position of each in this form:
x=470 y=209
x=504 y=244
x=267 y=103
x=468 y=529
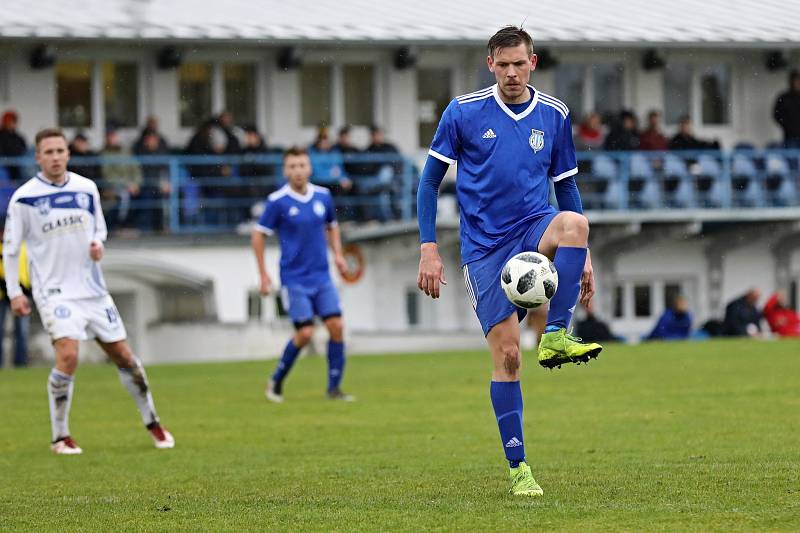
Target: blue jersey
x=300 y=221
x=505 y=161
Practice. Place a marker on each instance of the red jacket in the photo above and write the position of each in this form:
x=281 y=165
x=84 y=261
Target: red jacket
x=782 y=320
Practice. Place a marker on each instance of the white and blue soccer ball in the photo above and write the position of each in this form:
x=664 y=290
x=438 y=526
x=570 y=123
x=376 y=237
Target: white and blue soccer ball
x=529 y=279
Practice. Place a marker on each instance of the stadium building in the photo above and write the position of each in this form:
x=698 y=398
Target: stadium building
x=287 y=67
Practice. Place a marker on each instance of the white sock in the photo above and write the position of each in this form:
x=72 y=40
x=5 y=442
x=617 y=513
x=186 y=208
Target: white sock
x=135 y=380
x=59 y=394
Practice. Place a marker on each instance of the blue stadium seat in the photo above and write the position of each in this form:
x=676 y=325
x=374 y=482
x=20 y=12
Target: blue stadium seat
x=643 y=185
x=606 y=192
x=779 y=184
x=676 y=182
x=745 y=184
x=708 y=182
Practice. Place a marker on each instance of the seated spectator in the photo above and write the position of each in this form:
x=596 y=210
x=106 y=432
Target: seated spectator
x=209 y=139
x=377 y=146
x=255 y=144
x=12 y=144
x=685 y=139
x=151 y=126
x=590 y=134
x=232 y=132
x=652 y=138
x=80 y=148
x=675 y=323
x=782 y=319
x=742 y=317
x=346 y=148
x=156 y=187
x=328 y=165
x=623 y=135
x=122 y=182
x=592 y=329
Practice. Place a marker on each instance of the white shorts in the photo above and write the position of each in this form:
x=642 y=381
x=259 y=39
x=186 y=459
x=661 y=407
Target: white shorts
x=83 y=319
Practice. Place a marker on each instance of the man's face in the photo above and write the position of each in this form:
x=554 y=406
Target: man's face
x=297 y=169
x=52 y=155
x=512 y=69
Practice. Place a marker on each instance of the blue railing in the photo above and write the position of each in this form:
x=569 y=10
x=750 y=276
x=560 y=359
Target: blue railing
x=208 y=194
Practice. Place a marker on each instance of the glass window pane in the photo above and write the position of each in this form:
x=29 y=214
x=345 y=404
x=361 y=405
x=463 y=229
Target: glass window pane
x=433 y=95
x=194 y=85
x=677 y=91
x=619 y=301
x=358 y=94
x=315 y=88
x=570 y=87
x=641 y=300
x=121 y=94
x=74 y=88
x=240 y=92
x=608 y=88
x=715 y=85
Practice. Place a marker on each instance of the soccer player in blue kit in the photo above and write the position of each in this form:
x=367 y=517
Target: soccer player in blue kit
x=304 y=217
x=509 y=140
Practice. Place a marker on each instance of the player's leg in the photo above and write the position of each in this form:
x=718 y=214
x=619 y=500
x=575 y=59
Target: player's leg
x=60 y=389
x=326 y=305
x=566 y=242
x=297 y=303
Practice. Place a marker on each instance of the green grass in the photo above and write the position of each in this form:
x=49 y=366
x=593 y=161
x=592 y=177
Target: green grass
x=697 y=436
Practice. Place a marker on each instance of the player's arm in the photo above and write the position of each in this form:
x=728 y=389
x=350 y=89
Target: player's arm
x=15 y=232
x=335 y=242
x=431 y=268
x=96 y=247
x=265 y=226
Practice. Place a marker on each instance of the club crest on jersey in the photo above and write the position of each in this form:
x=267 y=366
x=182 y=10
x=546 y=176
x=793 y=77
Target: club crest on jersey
x=319 y=209
x=536 y=140
x=82 y=199
x=43 y=205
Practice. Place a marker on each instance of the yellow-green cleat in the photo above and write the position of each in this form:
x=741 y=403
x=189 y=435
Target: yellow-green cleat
x=559 y=347
x=522 y=482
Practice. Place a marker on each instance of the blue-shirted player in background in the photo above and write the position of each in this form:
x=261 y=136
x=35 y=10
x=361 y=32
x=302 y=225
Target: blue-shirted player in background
x=509 y=141
x=304 y=218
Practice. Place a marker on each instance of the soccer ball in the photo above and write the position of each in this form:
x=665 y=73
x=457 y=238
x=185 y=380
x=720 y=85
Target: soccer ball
x=529 y=279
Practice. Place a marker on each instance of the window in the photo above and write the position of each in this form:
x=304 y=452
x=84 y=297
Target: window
x=677 y=92
x=641 y=300
x=715 y=87
x=569 y=88
x=240 y=92
x=194 y=85
x=358 y=94
x=121 y=94
x=619 y=301
x=607 y=83
x=74 y=89
x=179 y=304
x=433 y=95
x=315 y=88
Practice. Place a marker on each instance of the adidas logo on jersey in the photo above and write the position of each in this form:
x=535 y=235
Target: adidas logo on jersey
x=489 y=134
x=513 y=443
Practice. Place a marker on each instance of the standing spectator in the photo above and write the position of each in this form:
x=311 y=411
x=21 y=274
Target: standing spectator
x=80 y=148
x=787 y=112
x=675 y=323
x=685 y=139
x=231 y=131
x=623 y=135
x=156 y=186
x=652 y=138
x=21 y=323
x=742 y=317
x=590 y=134
x=782 y=319
x=151 y=126
x=123 y=181
x=12 y=144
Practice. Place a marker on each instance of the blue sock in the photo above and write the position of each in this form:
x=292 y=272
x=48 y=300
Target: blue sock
x=507 y=403
x=335 y=364
x=569 y=262
x=285 y=364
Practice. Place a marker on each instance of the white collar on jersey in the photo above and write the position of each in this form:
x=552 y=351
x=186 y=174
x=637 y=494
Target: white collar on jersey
x=305 y=198
x=41 y=178
x=508 y=111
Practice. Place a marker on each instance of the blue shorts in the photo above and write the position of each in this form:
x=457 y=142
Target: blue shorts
x=482 y=276
x=303 y=302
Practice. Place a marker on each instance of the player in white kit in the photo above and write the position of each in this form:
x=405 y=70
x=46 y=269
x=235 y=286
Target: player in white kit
x=58 y=214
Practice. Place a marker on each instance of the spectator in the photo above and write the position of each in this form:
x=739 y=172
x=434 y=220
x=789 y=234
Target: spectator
x=156 y=186
x=345 y=147
x=782 y=319
x=591 y=328
x=742 y=317
x=328 y=165
x=231 y=131
x=254 y=144
x=675 y=323
x=685 y=139
x=80 y=148
x=21 y=323
x=787 y=112
x=377 y=146
x=123 y=180
x=151 y=126
x=590 y=135
x=12 y=144
x=383 y=175
x=652 y=138
x=624 y=135
x=209 y=139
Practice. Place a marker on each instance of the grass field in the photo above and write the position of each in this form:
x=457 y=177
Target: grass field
x=701 y=436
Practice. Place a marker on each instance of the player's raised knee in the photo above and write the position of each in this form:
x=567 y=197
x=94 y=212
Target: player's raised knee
x=574 y=224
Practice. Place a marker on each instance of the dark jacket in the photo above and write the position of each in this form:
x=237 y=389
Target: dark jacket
x=622 y=139
x=690 y=142
x=787 y=114
x=738 y=315
x=591 y=329
x=12 y=144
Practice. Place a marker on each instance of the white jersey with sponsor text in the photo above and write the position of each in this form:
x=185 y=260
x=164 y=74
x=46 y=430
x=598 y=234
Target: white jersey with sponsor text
x=58 y=222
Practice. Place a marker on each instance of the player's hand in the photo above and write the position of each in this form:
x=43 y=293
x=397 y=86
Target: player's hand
x=341 y=264
x=587 y=281
x=431 y=270
x=20 y=305
x=266 y=285
x=96 y=250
